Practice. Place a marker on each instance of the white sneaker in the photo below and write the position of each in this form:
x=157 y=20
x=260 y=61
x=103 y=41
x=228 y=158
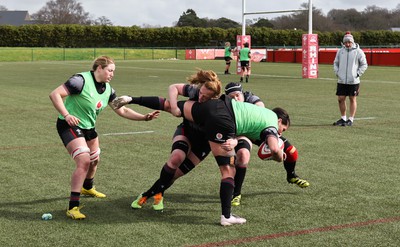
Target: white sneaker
x=234 y=219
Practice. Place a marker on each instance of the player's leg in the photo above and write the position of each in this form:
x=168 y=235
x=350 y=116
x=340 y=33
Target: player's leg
x=152 y=102
x=179 y=151
x=290 y=165
x=74 y=140
x=226 y=163
x=88 y=187
x=243 y=70
x=79 y=152
x=242 y=149
x=199 y=151
x=228 y=65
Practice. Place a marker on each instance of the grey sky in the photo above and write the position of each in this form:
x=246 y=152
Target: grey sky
x=166 y=12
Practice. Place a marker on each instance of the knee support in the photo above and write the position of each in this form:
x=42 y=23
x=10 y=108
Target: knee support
x=186 y=166
x=291 y=154
x=181 y=145
x=95 y=155
x=79 y=151
x=242 y=144
x=224 y=160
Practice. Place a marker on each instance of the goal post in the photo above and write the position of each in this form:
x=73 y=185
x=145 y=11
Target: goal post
x=309 y=41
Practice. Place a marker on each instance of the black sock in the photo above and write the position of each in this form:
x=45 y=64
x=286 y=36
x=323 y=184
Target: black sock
x=225 y=195
x=239 y=178
x=289 y=167
x=88 y=183
x=152 y=102
x=74 y=200
x=165 y=180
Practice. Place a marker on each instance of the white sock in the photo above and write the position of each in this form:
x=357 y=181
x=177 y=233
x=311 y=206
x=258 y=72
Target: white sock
x=344 y=117
x=351 y=119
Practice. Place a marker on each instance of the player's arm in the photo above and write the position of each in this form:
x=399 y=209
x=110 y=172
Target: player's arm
x=271 y=137
x=260 y=103
x=56 y=97
x=174 y=91
x=128 y=113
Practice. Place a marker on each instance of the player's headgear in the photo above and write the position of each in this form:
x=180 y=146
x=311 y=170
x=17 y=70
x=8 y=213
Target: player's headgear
x=233 y=87
x=348 y=38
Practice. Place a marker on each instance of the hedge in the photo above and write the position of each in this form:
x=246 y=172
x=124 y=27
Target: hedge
x=78 y=36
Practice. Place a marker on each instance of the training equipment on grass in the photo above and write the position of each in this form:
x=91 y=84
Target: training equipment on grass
x=47 y=216
x=265 y=153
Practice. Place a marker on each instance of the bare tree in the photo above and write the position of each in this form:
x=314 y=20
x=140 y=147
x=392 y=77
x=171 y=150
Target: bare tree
x=62 y=12
x=3 y=8
x=103 y=21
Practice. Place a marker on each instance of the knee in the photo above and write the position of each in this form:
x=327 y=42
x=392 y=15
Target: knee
x=242 y=157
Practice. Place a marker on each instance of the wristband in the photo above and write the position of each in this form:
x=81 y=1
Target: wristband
x=65 y=115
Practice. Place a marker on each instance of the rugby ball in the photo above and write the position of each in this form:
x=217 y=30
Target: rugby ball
x=264 y=152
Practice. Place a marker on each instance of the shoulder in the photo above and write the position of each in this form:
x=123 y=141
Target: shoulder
x=250 y=97
x=75 y=84
x=191 y=91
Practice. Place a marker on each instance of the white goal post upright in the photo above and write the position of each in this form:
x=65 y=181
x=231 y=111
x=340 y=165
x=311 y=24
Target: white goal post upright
x=309 y=41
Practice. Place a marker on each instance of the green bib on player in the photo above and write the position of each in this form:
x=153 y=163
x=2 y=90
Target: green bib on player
x=89 y=103
x=244 y=54
x=251 y=119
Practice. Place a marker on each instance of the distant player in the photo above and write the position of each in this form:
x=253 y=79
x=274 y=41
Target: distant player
x=227 y=57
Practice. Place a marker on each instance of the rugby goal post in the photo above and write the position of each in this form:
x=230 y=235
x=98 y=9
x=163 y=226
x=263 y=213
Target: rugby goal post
x=309 y=41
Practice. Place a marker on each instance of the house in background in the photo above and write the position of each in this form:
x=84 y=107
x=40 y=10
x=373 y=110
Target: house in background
x=15 y=18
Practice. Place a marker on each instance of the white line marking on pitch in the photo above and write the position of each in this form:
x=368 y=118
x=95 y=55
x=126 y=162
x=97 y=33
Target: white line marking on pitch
x=365 y=118
x=128 y=133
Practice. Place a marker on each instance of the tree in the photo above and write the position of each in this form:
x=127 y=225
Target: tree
x=3 y=8
x=103 y=21
x=62 y=12
x=190 y=19
x=263 y=22
x=222 y=23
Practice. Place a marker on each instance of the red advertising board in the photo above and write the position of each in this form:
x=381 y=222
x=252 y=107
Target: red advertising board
x=310 y=56
x=190 y=54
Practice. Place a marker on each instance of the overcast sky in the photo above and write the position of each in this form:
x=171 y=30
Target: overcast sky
x=167 y=12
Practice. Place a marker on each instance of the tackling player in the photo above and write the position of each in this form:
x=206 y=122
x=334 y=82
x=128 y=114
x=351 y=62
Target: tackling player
x=235 y=91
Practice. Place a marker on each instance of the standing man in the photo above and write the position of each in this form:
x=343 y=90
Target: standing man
x=244 y=57
x=350 y=63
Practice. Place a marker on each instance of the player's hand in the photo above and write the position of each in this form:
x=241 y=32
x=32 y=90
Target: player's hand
x=72 y=120
x=152 y=115
x=229 y=145
x=176 y=111
x=121 y=101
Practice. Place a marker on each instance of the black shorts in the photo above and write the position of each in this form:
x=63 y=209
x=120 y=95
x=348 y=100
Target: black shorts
x=244 y=64
x=347 y=89
x=199 y=144
x=228 y=59
x=68 y=133
x=216 y=118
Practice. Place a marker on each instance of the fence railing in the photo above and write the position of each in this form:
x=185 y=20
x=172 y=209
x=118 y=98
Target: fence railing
x=14 y=54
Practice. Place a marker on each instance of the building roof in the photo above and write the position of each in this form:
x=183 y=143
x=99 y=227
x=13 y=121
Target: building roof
x=15 y=18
